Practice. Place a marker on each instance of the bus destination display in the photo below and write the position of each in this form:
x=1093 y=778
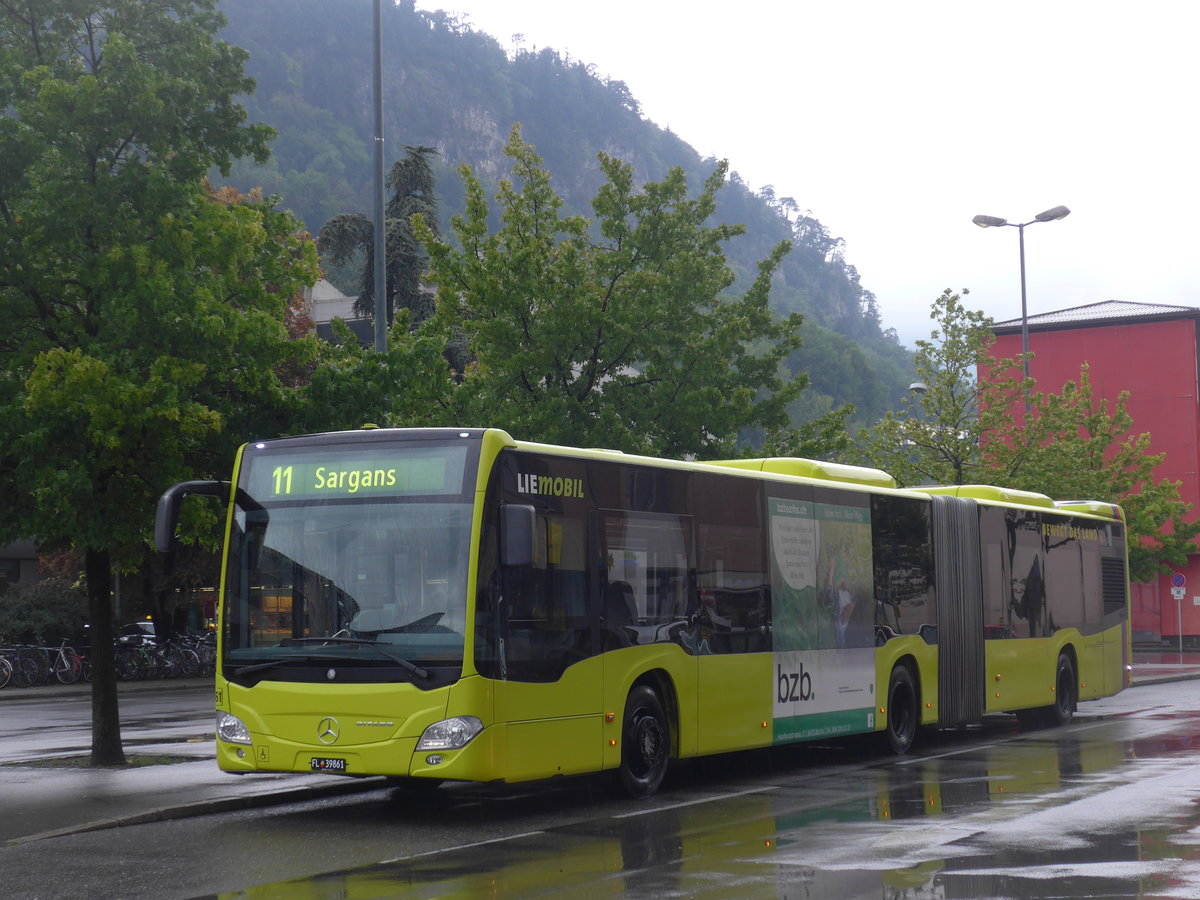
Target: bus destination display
x=324 y=475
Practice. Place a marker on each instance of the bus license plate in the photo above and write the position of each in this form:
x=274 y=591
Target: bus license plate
x=328 y=764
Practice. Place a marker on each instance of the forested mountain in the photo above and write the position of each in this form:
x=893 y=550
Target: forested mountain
x=453 y=88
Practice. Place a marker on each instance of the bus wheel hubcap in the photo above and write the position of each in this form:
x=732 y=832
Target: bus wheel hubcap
x=648 y=741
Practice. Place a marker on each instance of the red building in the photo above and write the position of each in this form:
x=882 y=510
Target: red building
x=1151 y=351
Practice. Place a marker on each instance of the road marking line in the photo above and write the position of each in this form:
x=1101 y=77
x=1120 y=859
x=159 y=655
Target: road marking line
x=657 y=809
x=499 y=840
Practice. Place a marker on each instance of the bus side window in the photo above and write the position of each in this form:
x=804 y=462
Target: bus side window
x=904 y=590
x=733 y=592
x=647 y=577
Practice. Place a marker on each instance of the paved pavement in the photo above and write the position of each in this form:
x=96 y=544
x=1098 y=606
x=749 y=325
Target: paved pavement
x=42 y=801
x=1156 y=665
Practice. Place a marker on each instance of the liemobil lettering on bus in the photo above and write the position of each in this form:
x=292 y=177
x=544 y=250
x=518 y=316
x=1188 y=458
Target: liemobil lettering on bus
x=549 y=485
x=793 y=686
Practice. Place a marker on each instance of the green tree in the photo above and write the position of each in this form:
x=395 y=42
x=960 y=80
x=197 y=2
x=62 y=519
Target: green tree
x=408 y=385
x=143 y=310
x=977 y=421
x=937 y=434
x=1075 y=447
x=351 y=236
x=615 y=333
x=50 y=608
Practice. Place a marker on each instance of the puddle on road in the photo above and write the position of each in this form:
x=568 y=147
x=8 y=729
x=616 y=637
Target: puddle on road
x=1006 y=820
x=724 y=866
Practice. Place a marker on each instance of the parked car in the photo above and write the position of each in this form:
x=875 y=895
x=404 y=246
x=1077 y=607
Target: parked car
x=138 y=634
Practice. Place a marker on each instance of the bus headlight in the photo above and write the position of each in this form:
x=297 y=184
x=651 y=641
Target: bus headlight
x=231 y=729
x=450 y=734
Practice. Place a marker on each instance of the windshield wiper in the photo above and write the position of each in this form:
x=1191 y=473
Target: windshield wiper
x=270 y=664
x=412 y=668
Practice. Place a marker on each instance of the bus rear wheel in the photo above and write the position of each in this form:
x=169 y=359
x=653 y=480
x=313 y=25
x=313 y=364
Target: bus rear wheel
x=902 y=712
x=645 y=743
x=1062 y=710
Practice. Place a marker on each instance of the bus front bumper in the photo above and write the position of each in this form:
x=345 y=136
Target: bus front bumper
x=397 y=757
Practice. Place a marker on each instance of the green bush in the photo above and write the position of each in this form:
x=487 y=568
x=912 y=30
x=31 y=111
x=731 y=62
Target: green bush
x=47 y=610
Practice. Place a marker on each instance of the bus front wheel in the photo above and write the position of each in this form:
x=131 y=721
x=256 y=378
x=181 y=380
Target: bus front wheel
x=645 y=743
x=902 y=712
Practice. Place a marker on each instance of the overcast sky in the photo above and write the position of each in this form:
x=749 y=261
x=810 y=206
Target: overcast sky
x=896 y=123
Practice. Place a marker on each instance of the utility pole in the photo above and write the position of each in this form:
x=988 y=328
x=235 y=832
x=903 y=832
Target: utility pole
x=381 y=304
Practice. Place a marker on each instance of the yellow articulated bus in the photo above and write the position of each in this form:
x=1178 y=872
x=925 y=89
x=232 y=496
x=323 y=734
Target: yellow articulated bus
x=453 y=604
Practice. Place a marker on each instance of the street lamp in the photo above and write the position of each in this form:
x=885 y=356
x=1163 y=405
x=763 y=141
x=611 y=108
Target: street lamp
x=1050 y=215
x=380 y=245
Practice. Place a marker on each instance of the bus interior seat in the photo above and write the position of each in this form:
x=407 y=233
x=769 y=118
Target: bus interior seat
x=375 y=618
x=619 y=608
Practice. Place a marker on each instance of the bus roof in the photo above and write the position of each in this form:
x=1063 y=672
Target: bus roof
x=813 y=468
x=795 y=467
x=1092 y=507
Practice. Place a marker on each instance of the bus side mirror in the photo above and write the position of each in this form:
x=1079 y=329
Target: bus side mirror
x=166 y=517
x=517 y=521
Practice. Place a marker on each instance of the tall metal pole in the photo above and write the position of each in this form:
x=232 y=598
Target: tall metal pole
x=1024 y=316
x=1050 y=215
x=381 y=311
x=1179 y=622
x=1024 y=307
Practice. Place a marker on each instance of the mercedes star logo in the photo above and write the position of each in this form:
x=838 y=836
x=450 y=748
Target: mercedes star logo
x=328 y=730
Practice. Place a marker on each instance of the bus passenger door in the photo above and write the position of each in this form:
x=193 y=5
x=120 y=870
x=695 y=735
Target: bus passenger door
x=549 y=695
x=647 y=612
x=732 y=637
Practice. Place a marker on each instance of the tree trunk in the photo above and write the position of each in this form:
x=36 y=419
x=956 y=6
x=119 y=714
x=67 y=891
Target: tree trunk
x=106 y=720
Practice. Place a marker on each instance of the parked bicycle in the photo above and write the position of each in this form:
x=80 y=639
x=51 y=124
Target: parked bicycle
x=63 y=663
x=136 y=656
x=28 y=667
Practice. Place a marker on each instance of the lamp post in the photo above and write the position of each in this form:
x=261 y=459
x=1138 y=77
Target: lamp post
x=380 y=268
x=1050 y=215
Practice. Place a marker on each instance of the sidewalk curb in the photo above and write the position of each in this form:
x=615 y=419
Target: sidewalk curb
x=84 y=689
x=1164 y=679
x=205 y=807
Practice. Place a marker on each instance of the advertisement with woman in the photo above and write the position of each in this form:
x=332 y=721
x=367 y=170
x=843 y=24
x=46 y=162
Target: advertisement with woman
x=822 y=618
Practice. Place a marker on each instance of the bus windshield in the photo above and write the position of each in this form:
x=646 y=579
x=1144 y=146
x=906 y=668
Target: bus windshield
x=352 y=563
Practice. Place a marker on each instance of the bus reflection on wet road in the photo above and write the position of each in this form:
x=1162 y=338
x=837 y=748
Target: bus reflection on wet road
x=1083 y=812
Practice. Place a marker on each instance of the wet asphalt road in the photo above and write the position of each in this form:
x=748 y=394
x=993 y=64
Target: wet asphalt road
x=1106 y=807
